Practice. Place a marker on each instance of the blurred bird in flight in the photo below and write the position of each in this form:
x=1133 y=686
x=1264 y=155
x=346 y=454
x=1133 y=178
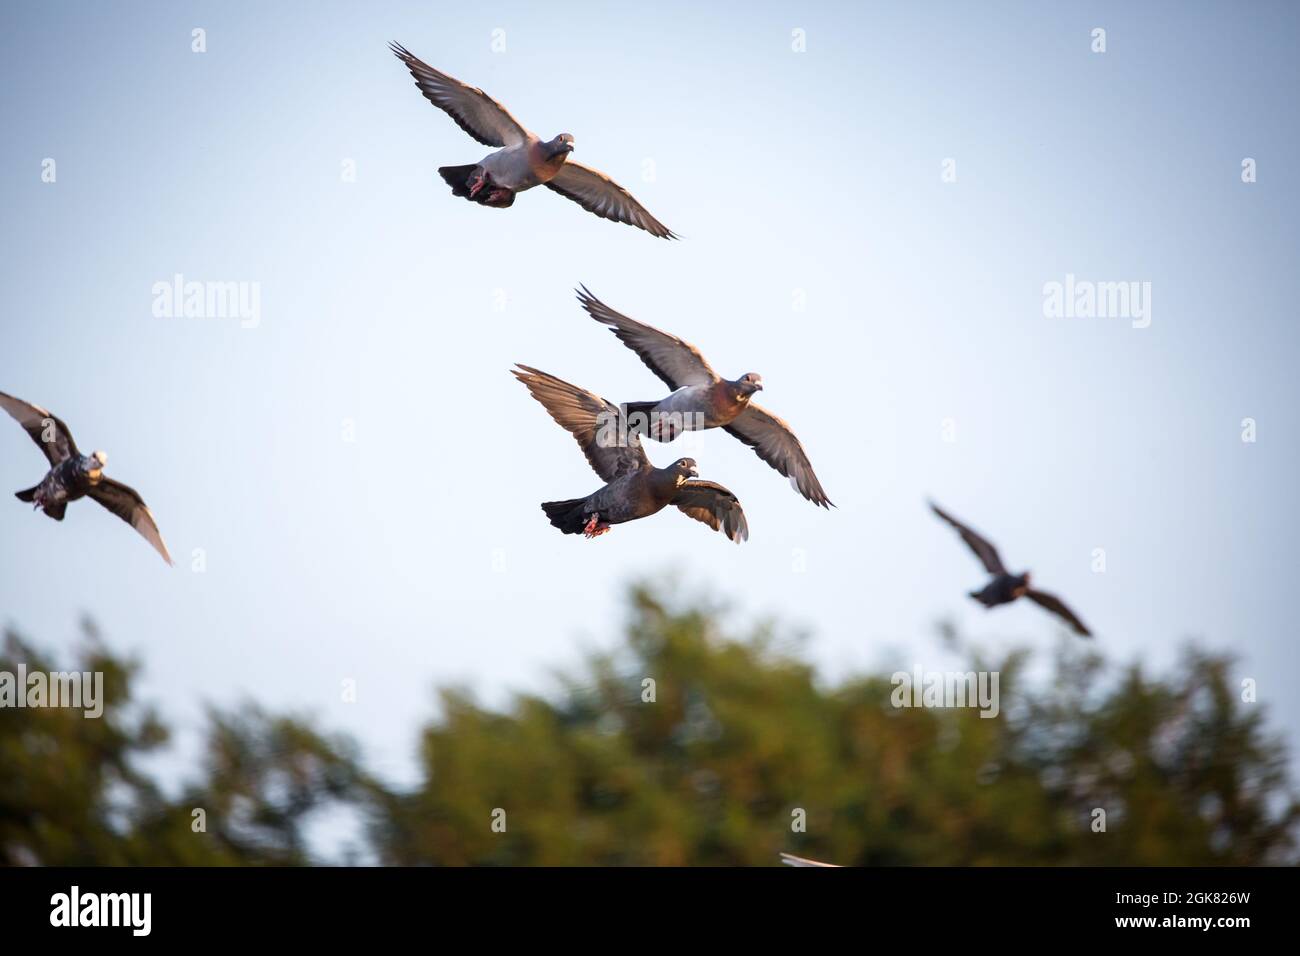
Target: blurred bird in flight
x=73 y=475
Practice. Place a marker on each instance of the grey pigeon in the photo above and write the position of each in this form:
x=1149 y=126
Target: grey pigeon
x=522 y=160
x=1005 y=586
x=703 y=399
x=73 y=475
x=634 y=487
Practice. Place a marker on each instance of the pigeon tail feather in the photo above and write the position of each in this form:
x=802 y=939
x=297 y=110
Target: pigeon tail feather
x=456 y=176
x=568 y=515
x=29 y=495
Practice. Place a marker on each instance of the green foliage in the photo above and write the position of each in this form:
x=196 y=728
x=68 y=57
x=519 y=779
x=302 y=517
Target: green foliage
x=738 y=736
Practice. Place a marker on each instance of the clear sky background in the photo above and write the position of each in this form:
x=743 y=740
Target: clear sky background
x=810 y=178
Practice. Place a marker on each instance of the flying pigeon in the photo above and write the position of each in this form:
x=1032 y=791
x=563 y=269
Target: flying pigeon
x=1005 y=586
x=521 y=160
x=73 y=475
x=789 y=859
x=703 y=399
x=634 y=487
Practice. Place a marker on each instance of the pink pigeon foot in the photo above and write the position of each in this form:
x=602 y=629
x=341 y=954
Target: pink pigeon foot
x=595 y=527
x=477 y=180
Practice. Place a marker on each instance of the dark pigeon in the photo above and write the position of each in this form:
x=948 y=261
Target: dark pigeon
x=73 y=475
x=703 y=399
x=1005 y=586
x=634 y=487
x=521 y=160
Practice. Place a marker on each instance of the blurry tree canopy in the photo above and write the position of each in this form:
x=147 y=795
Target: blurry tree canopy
x=685 y=746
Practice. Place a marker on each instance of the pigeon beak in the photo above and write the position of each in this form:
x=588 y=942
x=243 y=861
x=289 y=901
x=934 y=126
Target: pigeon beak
x=695 y=472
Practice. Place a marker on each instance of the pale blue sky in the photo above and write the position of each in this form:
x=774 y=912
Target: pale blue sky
x=815 y=171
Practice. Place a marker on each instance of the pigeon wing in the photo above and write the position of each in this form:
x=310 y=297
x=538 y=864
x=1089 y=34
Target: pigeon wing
x=473 y=110
x=983 y=549
x=46 y=429
x=774 y=442
x=127 y=505
x=596 y=192
x=713 y=504
x=1057 y=607
x=676 y=362
x=598 y=425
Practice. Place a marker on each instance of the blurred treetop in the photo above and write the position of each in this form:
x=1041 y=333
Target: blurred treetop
x=684 y=746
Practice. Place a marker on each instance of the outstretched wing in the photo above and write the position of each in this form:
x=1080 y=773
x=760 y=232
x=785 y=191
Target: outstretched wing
x=598 y=425
x=983 y=549
x=596 y=192
x=676 y=362
x=1057 y=607
x=713 y=504
x=774 y=442
x=473 y=110
x=130 y=507
x=46 y=429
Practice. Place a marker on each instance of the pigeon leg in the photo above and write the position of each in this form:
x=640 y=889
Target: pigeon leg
x=595 y=527
x=477 y=180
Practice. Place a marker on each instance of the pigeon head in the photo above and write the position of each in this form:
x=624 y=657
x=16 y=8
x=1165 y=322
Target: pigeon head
x=747 y=385
x=562 y=145
x=96 y=463
x=685 y=468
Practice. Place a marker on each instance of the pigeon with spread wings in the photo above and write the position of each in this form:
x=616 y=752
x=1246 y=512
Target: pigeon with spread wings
x=1005 y=586
x=521 y=159
x=73 y=475
x=703 y=399
x=634 y=488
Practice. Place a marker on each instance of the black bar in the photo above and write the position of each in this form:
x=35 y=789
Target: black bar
x=334 y=904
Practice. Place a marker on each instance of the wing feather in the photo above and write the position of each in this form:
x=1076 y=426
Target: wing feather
x=597 y=424
x=676 y=362
x=982 y=547
x=48 y=431
x=774 y=442
x=713 y=504
x=597 y=193
x=473 y=110
x=130 y=507
x=1054 y=604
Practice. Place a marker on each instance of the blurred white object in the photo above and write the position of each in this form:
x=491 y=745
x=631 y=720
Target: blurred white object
x=789 y=859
